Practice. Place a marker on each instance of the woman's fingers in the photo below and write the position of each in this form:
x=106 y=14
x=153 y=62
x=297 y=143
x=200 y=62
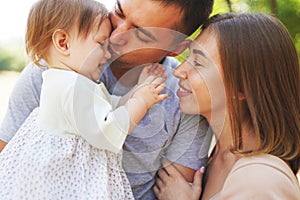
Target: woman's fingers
x=159 y=182
x=197 y=183
x=163 y=175
x=171 y=185
x=156 y=190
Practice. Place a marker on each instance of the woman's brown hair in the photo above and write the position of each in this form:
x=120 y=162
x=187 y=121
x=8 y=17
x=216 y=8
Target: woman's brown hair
x=260 y=61
x=46 y=16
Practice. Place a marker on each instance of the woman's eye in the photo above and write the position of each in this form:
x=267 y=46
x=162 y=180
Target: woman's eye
x=197 y=64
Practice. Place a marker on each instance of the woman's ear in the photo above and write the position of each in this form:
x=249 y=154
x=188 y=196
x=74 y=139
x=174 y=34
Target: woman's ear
x=179 y=48
x=60 y=39
x=241 y=96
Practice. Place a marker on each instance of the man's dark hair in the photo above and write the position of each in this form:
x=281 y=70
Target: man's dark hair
x=195 y=12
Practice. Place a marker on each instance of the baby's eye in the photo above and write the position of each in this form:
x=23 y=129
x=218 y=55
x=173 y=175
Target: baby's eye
x=101 y=43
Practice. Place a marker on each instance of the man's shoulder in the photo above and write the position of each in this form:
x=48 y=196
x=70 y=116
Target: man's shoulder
x=23 y=99
x=171 y=62
x=33 y=70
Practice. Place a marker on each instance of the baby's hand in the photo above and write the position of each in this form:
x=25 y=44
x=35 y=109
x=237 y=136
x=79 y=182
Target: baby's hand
x=154 y=69
x=149 y=90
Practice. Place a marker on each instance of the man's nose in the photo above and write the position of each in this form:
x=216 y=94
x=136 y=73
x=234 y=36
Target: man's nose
x=120 y=33
x=107 y=54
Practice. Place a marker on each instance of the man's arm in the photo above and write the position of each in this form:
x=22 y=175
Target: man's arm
x=23 y=99
x=186 y=172
x=171 y=185
x=189 y=148
x=2 y=145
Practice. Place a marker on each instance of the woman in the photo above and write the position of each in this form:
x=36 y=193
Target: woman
x=71 y=146
x=257 y=126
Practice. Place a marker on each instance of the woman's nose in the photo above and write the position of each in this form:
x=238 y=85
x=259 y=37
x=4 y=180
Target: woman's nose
x=179 y=72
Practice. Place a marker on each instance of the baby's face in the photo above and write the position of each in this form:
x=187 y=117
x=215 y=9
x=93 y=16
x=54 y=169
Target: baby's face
x=90 y=54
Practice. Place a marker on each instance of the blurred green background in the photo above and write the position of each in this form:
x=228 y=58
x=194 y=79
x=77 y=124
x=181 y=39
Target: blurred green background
x=13 y=57
x=288 y=11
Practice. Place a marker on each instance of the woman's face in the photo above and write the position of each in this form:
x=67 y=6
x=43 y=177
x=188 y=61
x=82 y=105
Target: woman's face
x=201 y=86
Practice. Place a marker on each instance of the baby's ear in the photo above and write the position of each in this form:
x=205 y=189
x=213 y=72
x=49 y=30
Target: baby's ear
x=179 y=48
x=60 y=39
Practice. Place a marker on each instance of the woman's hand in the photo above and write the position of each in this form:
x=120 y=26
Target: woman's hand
x=171 y=185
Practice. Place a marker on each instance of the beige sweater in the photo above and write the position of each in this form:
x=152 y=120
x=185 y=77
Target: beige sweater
x=260 y=177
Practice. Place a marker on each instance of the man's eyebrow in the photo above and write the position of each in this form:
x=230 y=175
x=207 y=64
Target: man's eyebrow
x=145 y=32
x=198 y=51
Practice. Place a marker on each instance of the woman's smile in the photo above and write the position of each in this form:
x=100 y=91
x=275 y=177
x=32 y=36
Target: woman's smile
x=182 y=91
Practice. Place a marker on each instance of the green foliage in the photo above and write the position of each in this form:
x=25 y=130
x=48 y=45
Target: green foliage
x=288 y=12
x=12 y=56
x=220 y=6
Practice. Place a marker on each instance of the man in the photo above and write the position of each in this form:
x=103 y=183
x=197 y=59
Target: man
x=164 y=131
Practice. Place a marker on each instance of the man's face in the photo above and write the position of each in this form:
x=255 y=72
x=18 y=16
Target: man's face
x=133 y=42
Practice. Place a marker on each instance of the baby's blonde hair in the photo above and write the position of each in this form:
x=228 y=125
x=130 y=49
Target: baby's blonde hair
x=46 y=16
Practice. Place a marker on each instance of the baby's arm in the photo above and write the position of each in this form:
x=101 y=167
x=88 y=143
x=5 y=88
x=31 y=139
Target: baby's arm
x=142 y=97
x=154 y=69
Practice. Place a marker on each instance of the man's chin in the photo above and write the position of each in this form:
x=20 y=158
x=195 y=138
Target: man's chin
x=131 y=60
x=119 y=63
x=124 y=62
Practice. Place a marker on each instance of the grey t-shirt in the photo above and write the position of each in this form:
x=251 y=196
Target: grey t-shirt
x=163 y=132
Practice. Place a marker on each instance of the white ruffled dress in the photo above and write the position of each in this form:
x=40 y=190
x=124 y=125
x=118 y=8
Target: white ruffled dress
x=69 y=147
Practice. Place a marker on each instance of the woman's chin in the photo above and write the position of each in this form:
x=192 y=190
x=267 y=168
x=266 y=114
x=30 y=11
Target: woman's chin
x=188 y=109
